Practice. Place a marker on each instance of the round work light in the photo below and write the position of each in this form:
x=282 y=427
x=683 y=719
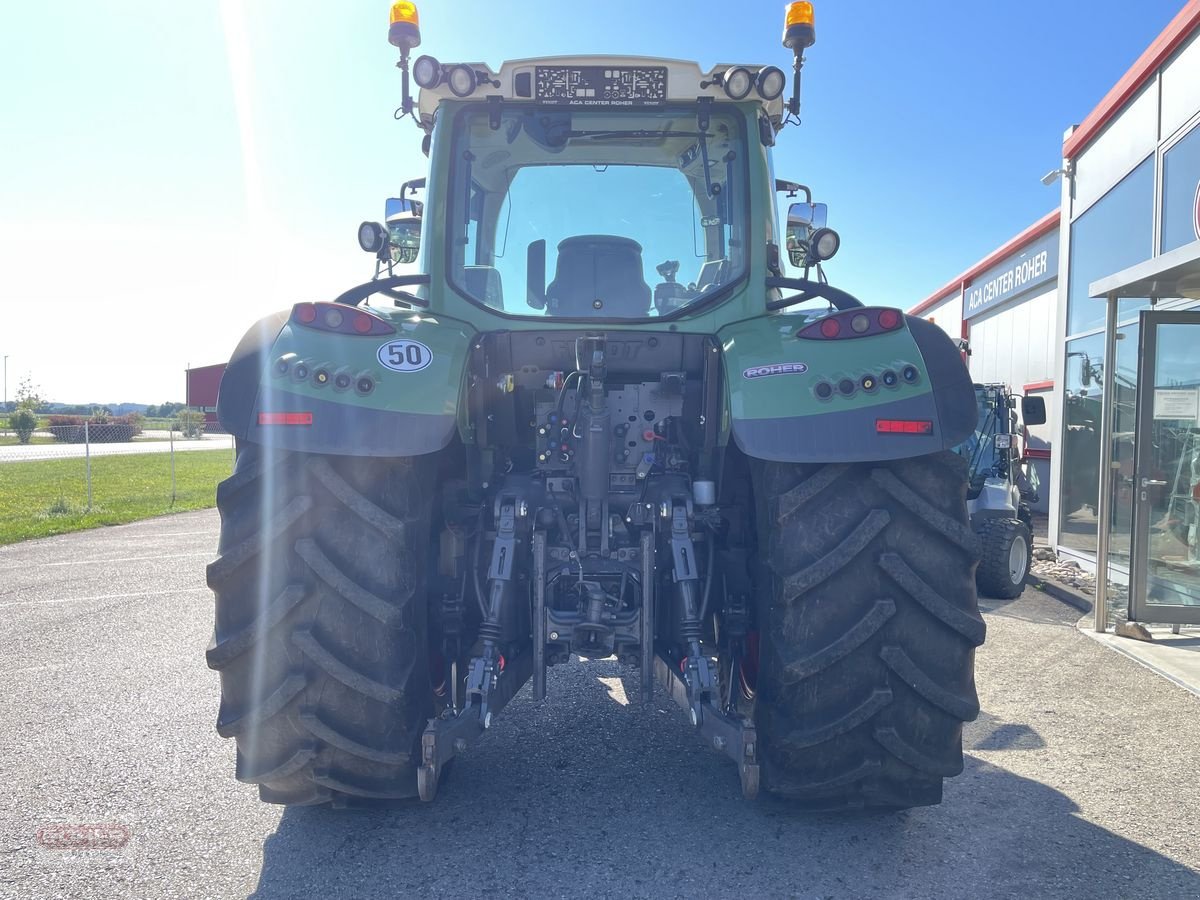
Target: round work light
x=770 y=83
x=825 y=243
x=427 y=72
x=738 y=82
x=461 y=80
x=372 y=236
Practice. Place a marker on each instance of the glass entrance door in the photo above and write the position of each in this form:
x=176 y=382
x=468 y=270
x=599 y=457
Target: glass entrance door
x=1165 y=582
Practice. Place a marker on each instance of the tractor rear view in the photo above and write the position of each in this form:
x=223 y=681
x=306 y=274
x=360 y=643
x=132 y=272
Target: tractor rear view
x=599 y=421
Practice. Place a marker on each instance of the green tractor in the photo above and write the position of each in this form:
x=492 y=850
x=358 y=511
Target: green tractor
x=600 y=421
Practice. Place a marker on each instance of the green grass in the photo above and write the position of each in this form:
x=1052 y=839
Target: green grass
x=10 y=439
x=46 y=497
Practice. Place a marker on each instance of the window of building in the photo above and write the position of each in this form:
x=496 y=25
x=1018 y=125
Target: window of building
x=1114 y=234
x=1084 y=383
x=1181 y=193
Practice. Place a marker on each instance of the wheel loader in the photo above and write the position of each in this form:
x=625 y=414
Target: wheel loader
x=615 y=412
x=1001 y=487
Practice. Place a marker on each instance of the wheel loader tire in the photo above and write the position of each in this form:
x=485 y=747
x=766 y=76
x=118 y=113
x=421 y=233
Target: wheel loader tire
x=868 y=624
x=1007 y=557
x=321 y=634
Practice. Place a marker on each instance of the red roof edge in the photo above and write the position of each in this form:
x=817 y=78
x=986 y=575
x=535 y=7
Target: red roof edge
x=1042 y=226
x=1178 y=31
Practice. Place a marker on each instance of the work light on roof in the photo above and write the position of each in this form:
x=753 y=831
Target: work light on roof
x=427 y=72
x=770 y=83
x=738 y=82
x=461 y=81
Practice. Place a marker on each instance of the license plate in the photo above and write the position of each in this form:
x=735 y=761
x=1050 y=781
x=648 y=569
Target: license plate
x=601 y=85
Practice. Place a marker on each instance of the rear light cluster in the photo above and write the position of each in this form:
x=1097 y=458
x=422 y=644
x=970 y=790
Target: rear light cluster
x=339 y=318
x=903 y=373
x=341 y=378
x=853 y=323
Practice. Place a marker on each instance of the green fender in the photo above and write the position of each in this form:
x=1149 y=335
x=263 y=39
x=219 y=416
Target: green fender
x=776 y=412
x=411 y=406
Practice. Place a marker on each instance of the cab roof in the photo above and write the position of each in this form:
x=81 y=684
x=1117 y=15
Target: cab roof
x=517 y=81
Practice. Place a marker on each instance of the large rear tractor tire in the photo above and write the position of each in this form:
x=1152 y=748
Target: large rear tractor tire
x=1007 y=557
x=321 y=631
x=868 y=624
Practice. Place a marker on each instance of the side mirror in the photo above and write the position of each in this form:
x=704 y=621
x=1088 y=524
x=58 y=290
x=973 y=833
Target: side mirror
x=1033 y=410
x=404 y=229
x=813 y=215
x=802 y=221
x=535 y=274
x=394 y=206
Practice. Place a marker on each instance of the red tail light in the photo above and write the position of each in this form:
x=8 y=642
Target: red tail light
x=903 y=426
x=853 y=323
x=285 y=418
x=339 y=318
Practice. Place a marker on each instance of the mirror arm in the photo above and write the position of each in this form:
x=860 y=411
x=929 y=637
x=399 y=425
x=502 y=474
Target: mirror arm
x=809 y=289
x=357 y=295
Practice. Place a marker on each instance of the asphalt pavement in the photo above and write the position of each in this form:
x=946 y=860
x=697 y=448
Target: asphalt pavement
x=1081 y=774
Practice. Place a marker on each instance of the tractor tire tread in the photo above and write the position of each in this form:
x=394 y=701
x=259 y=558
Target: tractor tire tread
x=867 y=632
x=315 y=555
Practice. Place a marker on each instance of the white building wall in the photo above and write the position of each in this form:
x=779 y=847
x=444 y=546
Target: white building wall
x=947 y=315
x=1181 y=87
x=1015 y=345
x=1123 y=144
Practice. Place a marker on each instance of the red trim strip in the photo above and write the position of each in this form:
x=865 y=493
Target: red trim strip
x=1173 y=36
x=1042 y=226
x=285 y=418
x=1036 y=453
x=1039 y=386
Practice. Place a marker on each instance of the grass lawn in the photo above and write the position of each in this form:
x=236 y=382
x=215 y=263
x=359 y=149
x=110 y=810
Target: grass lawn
x=10 y=439
x=46 y=497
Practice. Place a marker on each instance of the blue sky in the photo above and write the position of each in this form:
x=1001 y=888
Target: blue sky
x=174 y=170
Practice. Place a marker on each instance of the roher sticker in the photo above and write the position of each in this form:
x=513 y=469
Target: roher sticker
x=405 y=356
x=775 y=369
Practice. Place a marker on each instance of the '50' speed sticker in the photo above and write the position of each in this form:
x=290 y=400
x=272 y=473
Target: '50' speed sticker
x=405 y=356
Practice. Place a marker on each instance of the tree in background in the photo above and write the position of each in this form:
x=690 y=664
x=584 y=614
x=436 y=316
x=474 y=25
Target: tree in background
x=165 y=411
x=190 y=422
x=25 y=421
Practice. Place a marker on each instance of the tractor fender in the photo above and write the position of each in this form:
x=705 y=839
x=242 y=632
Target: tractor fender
x=239 y=383
x=777 y=413
x=395 y=404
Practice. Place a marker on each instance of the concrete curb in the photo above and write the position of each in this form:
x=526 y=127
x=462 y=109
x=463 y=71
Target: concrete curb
x=1061 y=592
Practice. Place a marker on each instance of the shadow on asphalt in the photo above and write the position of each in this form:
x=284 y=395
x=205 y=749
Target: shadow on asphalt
x=988 y=732
x=588 y=796
x=1031 y=606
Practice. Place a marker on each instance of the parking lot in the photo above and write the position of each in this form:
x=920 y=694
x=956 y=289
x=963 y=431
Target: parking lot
x=1079 y=778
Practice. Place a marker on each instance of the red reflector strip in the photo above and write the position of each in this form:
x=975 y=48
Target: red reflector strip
x=285 y=418
x=903 y=426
